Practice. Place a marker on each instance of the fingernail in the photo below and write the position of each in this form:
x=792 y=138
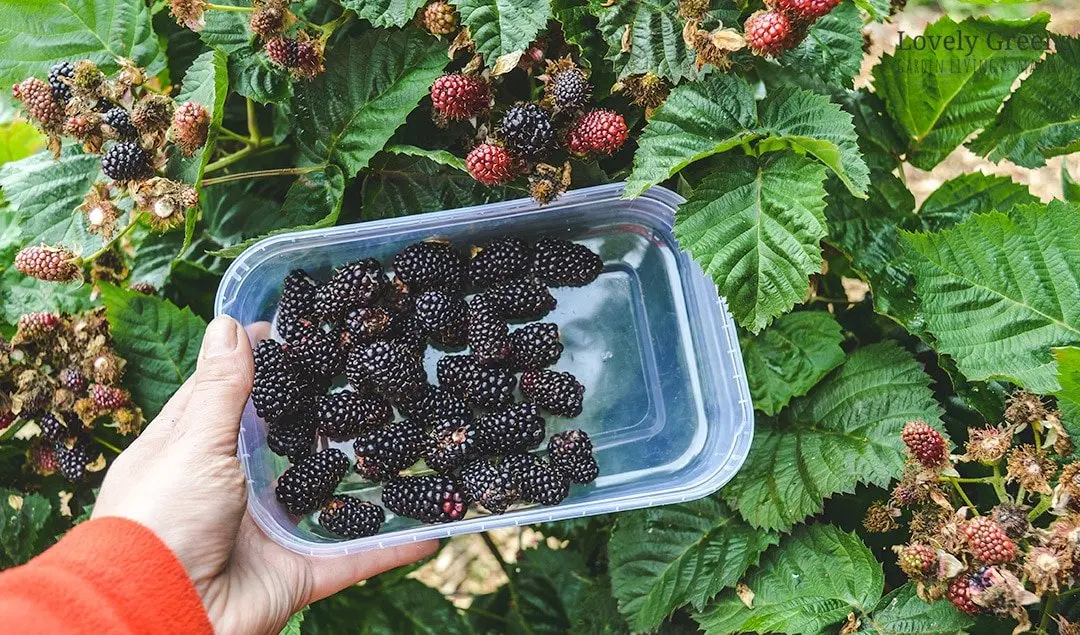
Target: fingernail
x=220 y=337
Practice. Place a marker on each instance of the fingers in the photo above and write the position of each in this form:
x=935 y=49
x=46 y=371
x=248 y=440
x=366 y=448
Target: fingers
x=222 y=384
x=161 y=428
x=330 y=575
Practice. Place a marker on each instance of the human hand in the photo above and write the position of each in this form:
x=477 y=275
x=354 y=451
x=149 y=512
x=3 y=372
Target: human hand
x=182 y=479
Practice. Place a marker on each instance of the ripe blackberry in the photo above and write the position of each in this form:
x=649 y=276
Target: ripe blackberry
x=491 y=164
x=343 y=415
x=501 y=260
x=350 y=517
x=314 y=351
x=383 y=452
x=918 y=561
x=493 y=488
x=355 y=284
x=535 y=346
x=431 y=265
x=387 y=368
x=309 y=484
x=51 y=264
x=366 y=324
x=73 y=379
x=57 y=74
x=439 y=18
x=806 y=10
x=538 y=481
x=7 y=418
x=558 y=393
x=125 y=161
x=443 y=317
x=458 y=96
x=925 y=444
x=275 y=390
x=72 y=457
x=960 y=589
x=523 y=298
x=297 y=301
x=488 y=333
x=429 y=499
x=1013 y=519
x=564 y=263
x=407 y=331
x=571 y=454
x=190 y=127
x=120 y=121
x=526 y=130
x=293 y=438
x=397 y=298
x=770 y=33
x=518 y=428
x=597 y=132
x=452 y=443
x=481 y=386
x=109 y=397
x=436 y=404
x=52 y=429
x=569 y=89
x=987 y=541
x=41 y=105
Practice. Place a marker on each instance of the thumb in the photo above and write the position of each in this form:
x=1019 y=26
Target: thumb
x=222 y=385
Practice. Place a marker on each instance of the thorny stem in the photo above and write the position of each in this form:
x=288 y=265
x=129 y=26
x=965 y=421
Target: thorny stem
x=229 y=159
x=259 y=174
x=963 y=495
x=1047 y=611
x=109 y=245
x=225 y=7
x=253 y=123
x=1044 y=504
x=106 y=444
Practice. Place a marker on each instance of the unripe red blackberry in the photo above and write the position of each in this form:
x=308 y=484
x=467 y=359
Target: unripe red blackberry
x=383 y=452
x=987 y=541
x=108 y=397
x=125 y=161
x=527 y=131
x=60 y=72
x=7 y=418
x=41 y=105
x=451 y=444
x=597 y=132
x=309 y=484
x=36 y=327
x=494 y=488
x=439 y=18
x=500 y=260
x=491 y=164
x=919 y=561
x=960 y=590
x=350 y=517
x=83 y=126
x=429 y=499
x=564 y=263
x=558 y=393
x=770 y=33
x=571 y=454
x=269 y=21
x=535 y=346
x=282 y=51
x=190 y=127
x=806 y=10
x=309 y=59
x=52 y=264
x=925 y=444
x=457 y=96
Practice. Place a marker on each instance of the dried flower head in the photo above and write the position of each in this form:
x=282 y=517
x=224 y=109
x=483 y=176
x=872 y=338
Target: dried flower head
x=100 y=210
x=1011 y=518
x=271 y=18
x=189 y=13
x=880 y=518
x=1024 y=408
x=165 y=200
x=713 y=47
x=987 y=445
x=693 y=9
x=648 y=90
x=1032 y=468
x=927 y=522
x=1048 y=569
x=547 y=182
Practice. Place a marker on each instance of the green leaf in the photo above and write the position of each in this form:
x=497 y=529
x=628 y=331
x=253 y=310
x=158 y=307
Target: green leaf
x=790 y=357
x=938 y=96
x=22 y=519
x=501 y=27
x=810 y=123
x=999 y=291
x=813 y=579
x=755 y=226
x=1068 y=396
x=442 y=157
x=698 y=120
x=159 y=341
x=21 y=294
x=1042 y=118
x=595 y=610
x=403 y=185
x=35 y=34
x=853 y=418
x=45 y=193
x=832 y=50
x=406 y=607
x=903 y=613
x=295 y=624
x=962 y=196
x=385 y=13
x=879 y=10
x=664 y=557
x=19 y=140
x=228 y=30
x=547 y=583
x=1069 y=187
x=206 y=83
x=371 y=84
x=253 y=76
x=313 y=201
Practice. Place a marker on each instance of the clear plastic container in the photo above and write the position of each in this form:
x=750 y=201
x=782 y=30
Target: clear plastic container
x=666 y=399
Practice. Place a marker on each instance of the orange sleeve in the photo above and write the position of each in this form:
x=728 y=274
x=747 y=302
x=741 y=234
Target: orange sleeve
x=108 y=575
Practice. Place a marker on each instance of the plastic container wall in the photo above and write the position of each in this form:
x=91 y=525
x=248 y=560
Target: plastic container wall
x=666 y=401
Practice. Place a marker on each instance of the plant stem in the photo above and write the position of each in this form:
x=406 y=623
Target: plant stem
x=963 y=495
x=1048 y=609
x=106 y=444
x=999 y=485
x=487 y=614
x=225 y=7
x=1044 y=504
x=109 y=245
x=494 y=549
x=960 y=479
x=259 y=174
x=253 y=123
x=229 y=134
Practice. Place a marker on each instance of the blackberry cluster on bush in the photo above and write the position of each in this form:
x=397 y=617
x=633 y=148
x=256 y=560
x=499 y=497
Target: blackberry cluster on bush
x=125 y=161
x=57 y=74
